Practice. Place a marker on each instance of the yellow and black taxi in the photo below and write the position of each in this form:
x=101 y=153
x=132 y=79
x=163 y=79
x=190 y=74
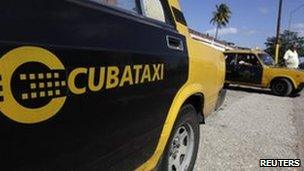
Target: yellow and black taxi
x=103 y=85
x=257 y=68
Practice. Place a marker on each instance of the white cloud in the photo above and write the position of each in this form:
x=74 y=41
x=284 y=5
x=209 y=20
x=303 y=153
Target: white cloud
x=299 y=27
x=223 y=31
x=250 y=32
x=264 y=10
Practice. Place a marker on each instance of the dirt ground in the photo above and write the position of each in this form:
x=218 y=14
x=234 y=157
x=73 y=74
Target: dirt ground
x=252 y=125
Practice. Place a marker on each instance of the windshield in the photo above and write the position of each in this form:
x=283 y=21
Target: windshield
x=267 y=59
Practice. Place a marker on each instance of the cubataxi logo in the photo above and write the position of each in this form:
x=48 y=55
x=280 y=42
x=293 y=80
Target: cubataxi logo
x=34 y=83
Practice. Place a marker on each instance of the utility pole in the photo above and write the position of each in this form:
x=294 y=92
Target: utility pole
x=278 y=33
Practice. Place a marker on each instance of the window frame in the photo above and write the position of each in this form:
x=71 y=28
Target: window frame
x=139 y=17
x=169 y=20
x=117 y=7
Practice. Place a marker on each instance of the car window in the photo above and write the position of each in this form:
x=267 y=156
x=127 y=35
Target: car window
x=267 y=59
x=230 y=59
x=129 y=5
x=153 y=9
x=248 y=59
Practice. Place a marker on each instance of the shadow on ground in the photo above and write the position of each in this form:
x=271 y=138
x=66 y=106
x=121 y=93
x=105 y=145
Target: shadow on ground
x=256 y=90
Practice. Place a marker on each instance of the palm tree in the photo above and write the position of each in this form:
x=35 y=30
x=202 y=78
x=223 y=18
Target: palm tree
x=221 y=17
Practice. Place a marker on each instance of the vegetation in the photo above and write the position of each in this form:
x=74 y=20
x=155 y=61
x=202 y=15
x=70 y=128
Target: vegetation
x=221 y=17
x=287 y=38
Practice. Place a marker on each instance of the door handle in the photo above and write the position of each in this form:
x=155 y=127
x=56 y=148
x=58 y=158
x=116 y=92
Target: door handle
x=175 y=43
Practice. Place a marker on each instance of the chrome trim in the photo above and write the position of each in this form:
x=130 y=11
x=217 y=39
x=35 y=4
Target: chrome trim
x=180 y=47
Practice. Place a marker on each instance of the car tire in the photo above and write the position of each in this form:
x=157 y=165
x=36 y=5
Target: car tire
x=182 y=147
x=282 y=87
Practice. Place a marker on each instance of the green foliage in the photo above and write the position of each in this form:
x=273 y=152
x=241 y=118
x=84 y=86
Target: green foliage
x=287 y=38
x=221 y=17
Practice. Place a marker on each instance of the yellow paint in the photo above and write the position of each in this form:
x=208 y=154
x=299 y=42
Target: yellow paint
x=57 y=84
x=137 y=69
x=109 y=77
x=157 y=72
x=25 y=96
x=50 y=93
x=126 y=77
x=41 y=76
x=32 y=77
x=56 y=75
x=162 y=72
x=269 y=73
x=41 y=85
x=277 y=50
x=49 y=84
x=49 y=75
x=42 y=94
x=146 y=74
x=112 y=77
x=22 y=76
x=100 y=84
x=33 y=86
x=72 y=83
x=33 y=95
x=206 y=77
x=57 y=92
x=8 y=64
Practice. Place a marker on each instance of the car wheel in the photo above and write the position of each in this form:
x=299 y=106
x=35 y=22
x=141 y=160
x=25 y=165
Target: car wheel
x=282 y=87
x=182 y=147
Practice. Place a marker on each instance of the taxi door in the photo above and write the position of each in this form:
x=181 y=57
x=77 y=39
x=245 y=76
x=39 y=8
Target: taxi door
x=248 y=69
x=57 y=55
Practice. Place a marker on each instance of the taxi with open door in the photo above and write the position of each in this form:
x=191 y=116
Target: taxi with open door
x=257 y=68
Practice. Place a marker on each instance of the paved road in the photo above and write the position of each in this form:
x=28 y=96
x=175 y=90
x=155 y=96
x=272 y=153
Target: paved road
x=251 y=125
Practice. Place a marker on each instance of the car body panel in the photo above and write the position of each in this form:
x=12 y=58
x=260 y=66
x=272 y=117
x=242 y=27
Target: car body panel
x=206 y=77
x=132 y=114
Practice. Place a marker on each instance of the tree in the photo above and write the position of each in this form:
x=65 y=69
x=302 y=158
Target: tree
x=287 y=38
x=221 y=17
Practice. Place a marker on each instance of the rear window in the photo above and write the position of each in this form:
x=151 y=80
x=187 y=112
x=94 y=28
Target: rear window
x=157 y=10
x=153 y=9
x=129 y=5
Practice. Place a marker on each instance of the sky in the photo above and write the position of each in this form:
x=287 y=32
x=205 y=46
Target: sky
x=251 y=23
